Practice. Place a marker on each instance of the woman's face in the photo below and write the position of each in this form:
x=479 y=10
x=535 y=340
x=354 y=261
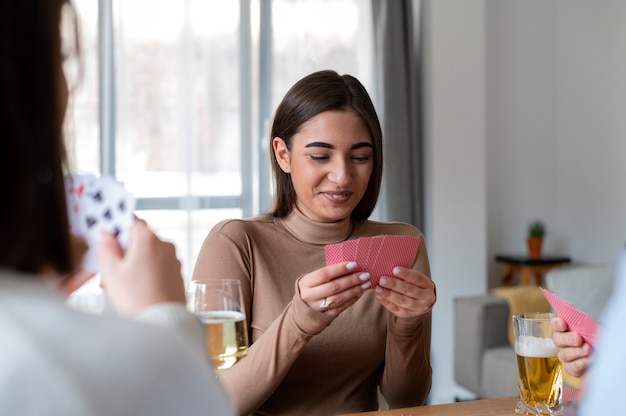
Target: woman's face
x=330 y=163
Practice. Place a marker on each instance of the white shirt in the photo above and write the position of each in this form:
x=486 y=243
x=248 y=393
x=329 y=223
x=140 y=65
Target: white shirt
x=55 y=360
x=605 y=386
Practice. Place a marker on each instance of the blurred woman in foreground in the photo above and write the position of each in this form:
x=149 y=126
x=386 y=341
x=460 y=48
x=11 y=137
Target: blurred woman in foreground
x=54 y=360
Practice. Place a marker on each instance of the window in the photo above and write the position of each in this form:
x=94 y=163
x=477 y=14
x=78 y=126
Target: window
x=176 y=98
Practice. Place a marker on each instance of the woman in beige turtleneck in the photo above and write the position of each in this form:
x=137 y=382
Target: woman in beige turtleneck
x=322 y=341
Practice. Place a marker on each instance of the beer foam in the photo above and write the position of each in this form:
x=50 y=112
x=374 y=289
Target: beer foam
x=527 y=346
x=219 y=317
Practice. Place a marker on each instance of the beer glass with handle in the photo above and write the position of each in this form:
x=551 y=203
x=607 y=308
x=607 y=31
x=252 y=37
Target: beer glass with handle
x=219 y=305
x=540 y=373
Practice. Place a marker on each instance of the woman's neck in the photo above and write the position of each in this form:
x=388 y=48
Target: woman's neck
x=315 y=232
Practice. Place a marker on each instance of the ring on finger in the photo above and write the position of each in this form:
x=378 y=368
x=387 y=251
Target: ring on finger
x=325 y=304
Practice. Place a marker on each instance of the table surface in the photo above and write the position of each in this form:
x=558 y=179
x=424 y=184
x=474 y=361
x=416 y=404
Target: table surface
x=504 y=406
x=525 y=260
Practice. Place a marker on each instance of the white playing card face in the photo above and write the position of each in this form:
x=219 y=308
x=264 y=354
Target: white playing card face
x=99 y=204
x=108 y=207
x=75 y=186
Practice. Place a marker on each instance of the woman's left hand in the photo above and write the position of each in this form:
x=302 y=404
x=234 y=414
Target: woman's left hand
x=410 y=294
x=75 y=280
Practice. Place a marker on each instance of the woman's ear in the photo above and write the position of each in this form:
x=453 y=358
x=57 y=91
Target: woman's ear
x=281 y=153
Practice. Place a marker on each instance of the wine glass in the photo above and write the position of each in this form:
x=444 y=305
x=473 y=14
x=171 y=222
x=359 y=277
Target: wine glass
x=219 y=305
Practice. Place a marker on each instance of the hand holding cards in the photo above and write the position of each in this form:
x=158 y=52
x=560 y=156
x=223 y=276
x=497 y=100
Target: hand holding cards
x=377 y=255
x=576 y=320
x=97 y=204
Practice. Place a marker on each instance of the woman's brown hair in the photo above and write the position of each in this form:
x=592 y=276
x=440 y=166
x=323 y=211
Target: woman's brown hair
x=34 y=230
x=314 y=94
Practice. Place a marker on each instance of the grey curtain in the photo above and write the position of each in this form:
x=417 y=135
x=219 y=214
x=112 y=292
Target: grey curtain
x=398 y=63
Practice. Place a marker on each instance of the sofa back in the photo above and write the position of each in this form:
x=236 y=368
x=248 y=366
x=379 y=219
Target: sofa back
x=588 y=288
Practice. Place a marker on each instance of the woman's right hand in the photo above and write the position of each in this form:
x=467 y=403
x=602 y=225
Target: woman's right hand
x=333 y=289
x=147 y=273
x=574 y=352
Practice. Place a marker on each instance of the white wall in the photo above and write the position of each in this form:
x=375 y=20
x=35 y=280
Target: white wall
x=591 y=114
x=525 y=117
x=455 y=162
x=521 y=124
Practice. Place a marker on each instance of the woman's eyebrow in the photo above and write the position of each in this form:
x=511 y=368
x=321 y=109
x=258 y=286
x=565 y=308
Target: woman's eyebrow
x=320 y=144
x=330 y=146
x=361 y=144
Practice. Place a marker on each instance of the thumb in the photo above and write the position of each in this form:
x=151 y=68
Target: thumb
x=559 y=324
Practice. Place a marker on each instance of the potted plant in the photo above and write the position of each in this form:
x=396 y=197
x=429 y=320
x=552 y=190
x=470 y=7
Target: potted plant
x=536 y=232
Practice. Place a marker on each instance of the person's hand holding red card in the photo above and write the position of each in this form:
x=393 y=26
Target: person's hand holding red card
x=377 y=255
x=401 y=290
x=574 y=334
x=576 y=320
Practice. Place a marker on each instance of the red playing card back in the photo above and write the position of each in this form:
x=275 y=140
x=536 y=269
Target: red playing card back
x=576 y=320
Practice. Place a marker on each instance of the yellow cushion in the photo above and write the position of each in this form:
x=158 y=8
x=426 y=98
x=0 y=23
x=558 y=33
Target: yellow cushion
x=571 y=381
x=521 y=299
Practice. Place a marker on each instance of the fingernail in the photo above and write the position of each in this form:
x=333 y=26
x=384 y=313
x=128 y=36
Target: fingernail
x=396 y=270
x=351 y=265
x=378 y=289
x=364 y=276
x=383 y=281
x=366 y=285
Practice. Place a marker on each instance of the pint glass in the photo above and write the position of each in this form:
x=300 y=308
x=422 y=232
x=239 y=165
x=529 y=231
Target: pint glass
x=539 y=371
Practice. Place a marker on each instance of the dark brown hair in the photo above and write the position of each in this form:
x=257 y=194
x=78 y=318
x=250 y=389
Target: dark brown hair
x=314 y=94
x=33 y=218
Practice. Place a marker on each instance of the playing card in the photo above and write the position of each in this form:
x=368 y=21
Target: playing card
x=376 y=247
x=400 y=249
x=396 y=250
x=376 y=243
x=349 y=249
x=338 y=252
x=75 y=186
x=576 y=320
x=109 y=207
x=377 y=255
x=334 y=253
x=97 y=204
x=362 y=252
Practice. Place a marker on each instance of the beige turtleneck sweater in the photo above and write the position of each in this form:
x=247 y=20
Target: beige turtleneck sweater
x=302 y=361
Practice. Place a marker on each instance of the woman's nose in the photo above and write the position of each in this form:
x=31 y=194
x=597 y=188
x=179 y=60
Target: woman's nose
x=339 y=173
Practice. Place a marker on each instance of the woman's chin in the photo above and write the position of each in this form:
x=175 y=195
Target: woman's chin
x=336 y=217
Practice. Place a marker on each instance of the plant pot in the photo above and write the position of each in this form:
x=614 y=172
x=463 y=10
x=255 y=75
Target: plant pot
x=534 y=247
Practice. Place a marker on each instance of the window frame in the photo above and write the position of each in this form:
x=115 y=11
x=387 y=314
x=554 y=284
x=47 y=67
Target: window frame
x=251 y=200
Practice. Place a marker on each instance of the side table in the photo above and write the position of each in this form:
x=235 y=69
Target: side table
x=528 y=267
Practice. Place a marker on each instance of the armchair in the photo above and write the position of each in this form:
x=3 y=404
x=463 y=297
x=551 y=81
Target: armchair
x=484 y=360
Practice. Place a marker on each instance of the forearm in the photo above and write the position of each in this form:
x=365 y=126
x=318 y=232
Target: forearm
x=251 y=381
x=407 y=376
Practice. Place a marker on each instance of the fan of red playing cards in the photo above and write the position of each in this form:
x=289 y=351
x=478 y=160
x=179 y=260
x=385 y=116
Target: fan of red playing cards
x=377 y=255
x=97 y=204
x=576 y=320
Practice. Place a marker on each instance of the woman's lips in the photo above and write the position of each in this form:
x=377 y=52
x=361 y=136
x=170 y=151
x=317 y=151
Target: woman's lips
x=337 y=197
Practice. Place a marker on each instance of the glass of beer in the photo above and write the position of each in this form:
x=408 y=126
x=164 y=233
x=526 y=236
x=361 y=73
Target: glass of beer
x=539 y=371
x=219 y=305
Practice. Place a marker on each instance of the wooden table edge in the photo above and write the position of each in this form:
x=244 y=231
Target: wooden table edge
x=502 y=406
